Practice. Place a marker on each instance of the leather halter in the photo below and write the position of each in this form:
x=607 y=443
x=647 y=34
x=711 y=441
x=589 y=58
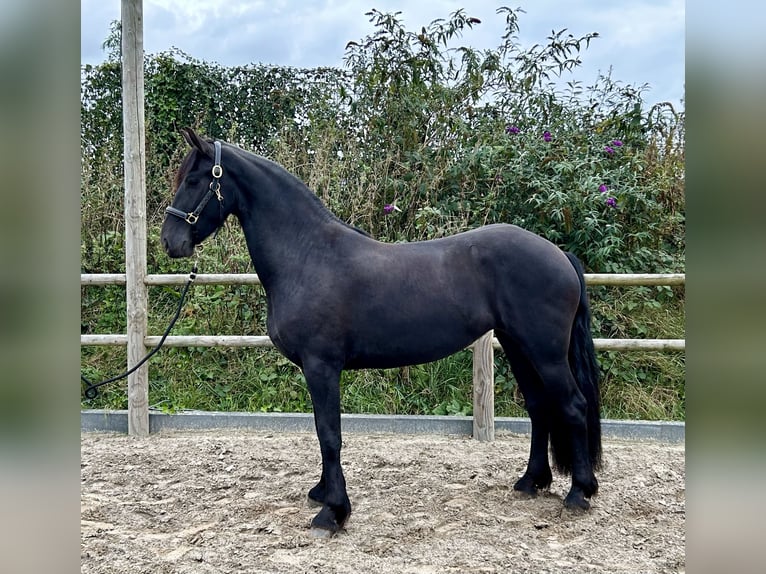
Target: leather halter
x=214 y=189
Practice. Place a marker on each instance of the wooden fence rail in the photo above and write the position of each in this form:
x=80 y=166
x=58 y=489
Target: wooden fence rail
x=483 y=363
x=623 y=279
x=264 y=341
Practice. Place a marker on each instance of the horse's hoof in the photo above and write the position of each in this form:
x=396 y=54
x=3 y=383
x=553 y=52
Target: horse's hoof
x=528 y=488
x=321 y=533
x=328 y=522
x=524 y=494
x=576 y=502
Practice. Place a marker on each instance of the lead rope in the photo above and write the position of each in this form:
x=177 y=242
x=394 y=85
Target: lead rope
x=91 y=389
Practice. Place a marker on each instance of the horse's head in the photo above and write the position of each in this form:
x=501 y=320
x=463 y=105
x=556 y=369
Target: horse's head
x=198 y=208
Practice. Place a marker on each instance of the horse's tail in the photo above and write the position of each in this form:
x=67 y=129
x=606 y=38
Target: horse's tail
x=585 y=368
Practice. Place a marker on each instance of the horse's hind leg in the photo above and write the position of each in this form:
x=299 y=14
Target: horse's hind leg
x=324 y=387
x=568 y=430
x=557 y=410
x=538 y=474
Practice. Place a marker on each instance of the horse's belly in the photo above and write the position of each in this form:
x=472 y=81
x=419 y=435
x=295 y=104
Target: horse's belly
x=400 y=359
x=386 y=345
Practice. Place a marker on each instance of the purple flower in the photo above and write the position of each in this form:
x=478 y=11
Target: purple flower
x=608 y=149
x=603 y=188
x=611 y=202
x=547 y=136
x=617 y=143
x=390 y=208
x=509 y=129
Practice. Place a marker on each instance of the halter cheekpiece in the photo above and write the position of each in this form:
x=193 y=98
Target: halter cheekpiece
x=214 y=189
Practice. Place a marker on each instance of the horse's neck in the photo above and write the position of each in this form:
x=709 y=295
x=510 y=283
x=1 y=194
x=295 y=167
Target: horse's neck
x=282 y=224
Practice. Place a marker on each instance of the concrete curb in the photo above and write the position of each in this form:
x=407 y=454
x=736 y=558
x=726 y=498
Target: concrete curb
x=98 y=420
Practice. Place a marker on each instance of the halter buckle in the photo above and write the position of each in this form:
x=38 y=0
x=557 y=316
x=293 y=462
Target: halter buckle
x=215 y=187
x=191 y=218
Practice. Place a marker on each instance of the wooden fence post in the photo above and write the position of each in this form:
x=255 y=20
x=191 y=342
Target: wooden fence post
x=483 y=388
x=135 y=211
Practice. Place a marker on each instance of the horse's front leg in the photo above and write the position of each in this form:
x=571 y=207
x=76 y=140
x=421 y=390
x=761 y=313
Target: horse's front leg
x=323 y=382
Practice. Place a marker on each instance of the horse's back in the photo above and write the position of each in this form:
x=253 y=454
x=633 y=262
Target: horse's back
x=476 y=266
x=510 y=253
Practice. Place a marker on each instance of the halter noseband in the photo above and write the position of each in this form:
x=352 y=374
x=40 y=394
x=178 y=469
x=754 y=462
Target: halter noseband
x=214 y=189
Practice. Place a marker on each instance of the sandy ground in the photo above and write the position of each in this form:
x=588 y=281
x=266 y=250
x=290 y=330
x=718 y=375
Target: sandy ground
x=235 y=501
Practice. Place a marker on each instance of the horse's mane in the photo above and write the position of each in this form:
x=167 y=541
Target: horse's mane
x=324 y=210
x=190 y=157
x=185 y=167
x=329 y=214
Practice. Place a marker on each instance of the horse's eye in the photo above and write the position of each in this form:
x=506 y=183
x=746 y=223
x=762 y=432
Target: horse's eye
x=192 y=182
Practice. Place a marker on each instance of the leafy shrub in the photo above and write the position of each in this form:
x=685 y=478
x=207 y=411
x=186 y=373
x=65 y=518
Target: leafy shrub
x=418 y=137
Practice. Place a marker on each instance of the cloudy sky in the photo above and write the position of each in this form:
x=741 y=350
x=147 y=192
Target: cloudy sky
x=641 y=40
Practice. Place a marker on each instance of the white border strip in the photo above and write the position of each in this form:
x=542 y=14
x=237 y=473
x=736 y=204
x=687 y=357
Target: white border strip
x=98 y=420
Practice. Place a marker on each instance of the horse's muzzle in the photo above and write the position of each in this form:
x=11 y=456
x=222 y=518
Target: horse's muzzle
x=183 y=248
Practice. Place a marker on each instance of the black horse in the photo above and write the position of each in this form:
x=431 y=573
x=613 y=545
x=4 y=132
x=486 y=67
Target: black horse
x=338 y=299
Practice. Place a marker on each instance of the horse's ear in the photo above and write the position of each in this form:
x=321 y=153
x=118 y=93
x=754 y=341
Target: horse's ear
x=197 y=142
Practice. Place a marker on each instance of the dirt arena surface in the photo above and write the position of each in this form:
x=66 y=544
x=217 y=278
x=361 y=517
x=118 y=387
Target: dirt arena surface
x=235 y=502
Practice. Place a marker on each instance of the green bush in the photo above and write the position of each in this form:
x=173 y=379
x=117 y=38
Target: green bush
x=453 y=137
